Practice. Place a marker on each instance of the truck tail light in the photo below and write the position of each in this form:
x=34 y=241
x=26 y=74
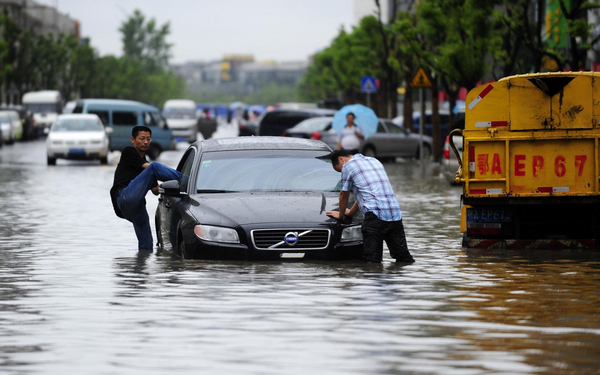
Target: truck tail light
x=316 y=135
x=447 y=148
x=471 y=161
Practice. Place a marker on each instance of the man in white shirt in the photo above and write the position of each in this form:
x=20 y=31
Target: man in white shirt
x=350 y=136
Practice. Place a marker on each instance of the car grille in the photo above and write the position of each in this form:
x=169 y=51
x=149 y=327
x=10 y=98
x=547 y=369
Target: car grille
x=274 y=239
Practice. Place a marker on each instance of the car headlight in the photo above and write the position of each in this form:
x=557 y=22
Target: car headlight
x=216 y=234
x=352 y=234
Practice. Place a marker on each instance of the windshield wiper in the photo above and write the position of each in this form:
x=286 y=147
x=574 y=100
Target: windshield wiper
x=215 y=191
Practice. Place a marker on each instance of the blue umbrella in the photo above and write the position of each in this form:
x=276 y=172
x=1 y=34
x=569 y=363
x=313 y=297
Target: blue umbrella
x=365 y=119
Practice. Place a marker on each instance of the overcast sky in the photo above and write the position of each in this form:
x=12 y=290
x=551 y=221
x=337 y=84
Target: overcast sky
x=281 y=30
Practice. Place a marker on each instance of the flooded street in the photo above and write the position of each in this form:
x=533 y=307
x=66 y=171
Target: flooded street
x=77 y=297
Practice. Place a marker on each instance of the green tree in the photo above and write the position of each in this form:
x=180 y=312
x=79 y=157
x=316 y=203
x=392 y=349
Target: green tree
x=145 y=41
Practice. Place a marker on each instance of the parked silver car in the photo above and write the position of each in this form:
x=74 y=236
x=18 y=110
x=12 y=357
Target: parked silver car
x=390 y=140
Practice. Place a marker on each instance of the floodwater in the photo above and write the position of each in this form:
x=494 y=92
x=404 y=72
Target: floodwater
x=76 y=296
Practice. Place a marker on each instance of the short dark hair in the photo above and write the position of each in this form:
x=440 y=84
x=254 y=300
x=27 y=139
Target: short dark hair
x=350 y=113
x=140 y=128
x=335 y=156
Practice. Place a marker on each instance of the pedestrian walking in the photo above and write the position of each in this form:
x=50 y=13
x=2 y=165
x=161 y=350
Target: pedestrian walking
x=134 y=177
x=350 y=136
x=375 y=198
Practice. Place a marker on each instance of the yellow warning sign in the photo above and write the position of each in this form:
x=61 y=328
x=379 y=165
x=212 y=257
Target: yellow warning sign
x=420 y=80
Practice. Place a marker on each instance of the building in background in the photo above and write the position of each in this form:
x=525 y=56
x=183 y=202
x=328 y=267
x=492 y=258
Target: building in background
x=239 y=74
x=389 y=8
x=40 y=18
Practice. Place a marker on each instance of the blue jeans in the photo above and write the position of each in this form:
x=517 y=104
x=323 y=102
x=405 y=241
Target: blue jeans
x=133 y=206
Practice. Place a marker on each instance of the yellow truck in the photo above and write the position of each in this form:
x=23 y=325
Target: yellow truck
x=530 y=164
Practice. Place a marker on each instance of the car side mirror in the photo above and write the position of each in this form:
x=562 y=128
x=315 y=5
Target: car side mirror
x=170 y=188
x=109 y=131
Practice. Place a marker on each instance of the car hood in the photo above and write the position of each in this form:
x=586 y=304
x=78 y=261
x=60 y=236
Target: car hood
x=232 y=209
x=76 y=136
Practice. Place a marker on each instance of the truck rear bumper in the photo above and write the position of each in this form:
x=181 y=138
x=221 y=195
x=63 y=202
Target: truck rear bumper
x=475 y=243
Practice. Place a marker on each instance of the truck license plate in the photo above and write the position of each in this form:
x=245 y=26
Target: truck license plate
x=488 y=215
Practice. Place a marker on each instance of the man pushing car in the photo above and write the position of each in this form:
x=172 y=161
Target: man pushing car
x=375 y=198
x=134 y=176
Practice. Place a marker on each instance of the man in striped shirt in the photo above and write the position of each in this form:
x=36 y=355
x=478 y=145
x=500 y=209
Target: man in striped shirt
x=375 y=198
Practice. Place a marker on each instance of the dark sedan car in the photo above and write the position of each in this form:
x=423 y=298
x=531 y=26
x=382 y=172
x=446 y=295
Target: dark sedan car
x=255 y=198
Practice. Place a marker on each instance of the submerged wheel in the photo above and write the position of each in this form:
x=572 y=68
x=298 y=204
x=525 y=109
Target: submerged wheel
x=181 y=250
x=159 y=239
x=426 y=152
x=153 y=152
x=51 y=161
x=370 y=151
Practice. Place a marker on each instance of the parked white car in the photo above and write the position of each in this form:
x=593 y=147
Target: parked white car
x=10 y=126
x=182 y=119
x=77 y=136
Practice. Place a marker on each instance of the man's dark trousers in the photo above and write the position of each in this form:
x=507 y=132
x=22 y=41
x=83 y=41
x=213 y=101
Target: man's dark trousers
x=375 y=231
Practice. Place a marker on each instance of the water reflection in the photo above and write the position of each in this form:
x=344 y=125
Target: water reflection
x=75 y=294
x=542 y=306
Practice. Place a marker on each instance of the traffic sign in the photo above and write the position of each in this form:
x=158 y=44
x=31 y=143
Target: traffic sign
x=420 y=80
x=368 y=84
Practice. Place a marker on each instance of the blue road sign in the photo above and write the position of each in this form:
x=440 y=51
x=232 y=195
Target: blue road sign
x=368 y=84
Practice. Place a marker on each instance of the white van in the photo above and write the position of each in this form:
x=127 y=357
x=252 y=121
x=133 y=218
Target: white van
x=182 y=119
x=45 y=106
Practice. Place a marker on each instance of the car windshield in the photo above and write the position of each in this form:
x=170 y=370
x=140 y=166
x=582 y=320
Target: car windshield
x=313 y=125
x=41 y=107
x=77 y=125
x=280 y=170
x=179 y=113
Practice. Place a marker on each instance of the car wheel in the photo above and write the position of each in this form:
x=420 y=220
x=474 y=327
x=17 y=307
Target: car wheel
x=181 y=248
x=370 y=152
x=51 y=161
x=104 y=160
x=11 y=140
x=153 y=152
x=159 y=238
x=426 y=152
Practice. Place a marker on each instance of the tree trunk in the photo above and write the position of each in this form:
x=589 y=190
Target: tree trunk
x=407 y=110
x=438 y=142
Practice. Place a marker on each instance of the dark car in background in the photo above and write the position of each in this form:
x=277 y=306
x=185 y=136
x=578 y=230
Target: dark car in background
x=255 y=198
x=317 y=128
x=279 y=120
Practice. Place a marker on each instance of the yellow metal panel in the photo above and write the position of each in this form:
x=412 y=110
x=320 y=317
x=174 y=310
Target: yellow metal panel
x=572 y=107
x=530 y=107
x=490 y=160
x=596 y=100
x=492 y=107
x=552 y=167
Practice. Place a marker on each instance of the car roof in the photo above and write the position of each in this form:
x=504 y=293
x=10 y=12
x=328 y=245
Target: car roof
x=91 y=116
x=261 y=143
x=117 y=103
x=320 y=111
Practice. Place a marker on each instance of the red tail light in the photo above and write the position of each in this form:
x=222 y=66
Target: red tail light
x=316 y=135
x=284 y=134
x=447 y=148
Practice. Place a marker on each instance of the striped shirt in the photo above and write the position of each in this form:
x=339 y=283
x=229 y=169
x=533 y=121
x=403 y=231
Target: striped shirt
x=368 y=181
